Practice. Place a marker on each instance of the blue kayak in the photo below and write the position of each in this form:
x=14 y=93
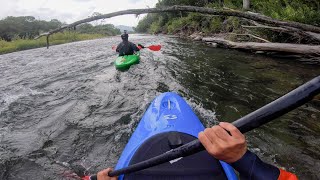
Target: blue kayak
x=168 y=123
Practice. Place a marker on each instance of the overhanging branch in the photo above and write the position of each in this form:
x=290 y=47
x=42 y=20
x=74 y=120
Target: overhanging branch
x=221 y=12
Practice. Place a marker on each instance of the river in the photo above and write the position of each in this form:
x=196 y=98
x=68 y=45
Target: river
x=68 y=105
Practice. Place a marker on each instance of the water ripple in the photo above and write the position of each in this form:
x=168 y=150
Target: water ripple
x=69 y=105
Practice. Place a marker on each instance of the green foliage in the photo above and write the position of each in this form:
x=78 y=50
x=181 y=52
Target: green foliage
x=231 y=24
x=145 y=23
x=233 y=4
x=293 y=10
x=196 y=22
x=305 y=11
x=177 y=24
x=105 y=29
x=174 y=22
x=155 y=27
x=27 y=27
x=59 y=38
x=215 y=25
x=164 y=18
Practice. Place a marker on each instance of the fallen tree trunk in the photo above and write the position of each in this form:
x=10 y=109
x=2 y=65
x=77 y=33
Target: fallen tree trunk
x=273 y=47
x=221 y=12
x=289 y=30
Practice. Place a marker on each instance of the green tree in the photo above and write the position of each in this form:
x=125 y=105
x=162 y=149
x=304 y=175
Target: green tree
x=24 y=27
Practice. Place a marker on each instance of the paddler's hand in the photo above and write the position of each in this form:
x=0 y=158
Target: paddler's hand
x=222 y=145
x=140 y=46
x=103 y=175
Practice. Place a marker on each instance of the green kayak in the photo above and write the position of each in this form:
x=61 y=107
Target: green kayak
x=124 y=62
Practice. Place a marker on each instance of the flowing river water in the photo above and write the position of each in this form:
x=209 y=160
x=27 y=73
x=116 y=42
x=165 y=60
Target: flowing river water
x=68 y=105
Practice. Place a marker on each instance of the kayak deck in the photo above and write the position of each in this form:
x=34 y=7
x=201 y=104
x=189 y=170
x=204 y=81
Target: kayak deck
x=198 y=166
x=169 y=122
x=124 y=62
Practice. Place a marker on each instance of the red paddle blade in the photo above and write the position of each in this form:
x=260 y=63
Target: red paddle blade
x=155 y=47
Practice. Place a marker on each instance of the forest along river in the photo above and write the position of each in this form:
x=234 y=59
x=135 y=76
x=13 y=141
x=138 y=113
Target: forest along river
x=68 y=105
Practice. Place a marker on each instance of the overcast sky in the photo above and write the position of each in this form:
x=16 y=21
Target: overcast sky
x=72 y=10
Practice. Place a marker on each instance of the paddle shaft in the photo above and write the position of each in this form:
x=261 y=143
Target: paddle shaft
x=277 y=108
x=152 y=47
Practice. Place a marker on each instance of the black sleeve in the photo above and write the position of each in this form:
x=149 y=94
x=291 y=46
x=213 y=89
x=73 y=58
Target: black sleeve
x=118 y=47
x=251 y=167
x=134 y=47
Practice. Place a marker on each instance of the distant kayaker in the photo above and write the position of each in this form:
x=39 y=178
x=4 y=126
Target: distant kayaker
x=225 y=142
x=126 y=47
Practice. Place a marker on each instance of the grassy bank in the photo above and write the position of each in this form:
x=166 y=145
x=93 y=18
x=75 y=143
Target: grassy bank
x=59 y=38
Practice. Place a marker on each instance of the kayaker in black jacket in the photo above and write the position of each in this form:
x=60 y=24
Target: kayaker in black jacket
x=232 y=148
x=126 y=47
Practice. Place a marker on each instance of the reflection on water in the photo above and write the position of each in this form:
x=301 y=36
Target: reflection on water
x=68 y=105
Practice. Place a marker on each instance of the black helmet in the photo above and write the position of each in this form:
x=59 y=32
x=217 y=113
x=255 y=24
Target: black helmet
x=124 y=36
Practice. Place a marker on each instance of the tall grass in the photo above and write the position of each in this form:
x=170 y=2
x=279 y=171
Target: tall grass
x=59 y=38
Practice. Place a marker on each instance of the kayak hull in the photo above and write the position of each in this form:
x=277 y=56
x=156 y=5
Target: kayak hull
x=168 y=117
x=124 y=62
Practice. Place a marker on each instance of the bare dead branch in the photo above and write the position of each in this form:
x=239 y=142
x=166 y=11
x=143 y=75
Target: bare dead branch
x=273 y=47
x=287 y=29
x=251 y=35
x=265 y=27
x=221 y=12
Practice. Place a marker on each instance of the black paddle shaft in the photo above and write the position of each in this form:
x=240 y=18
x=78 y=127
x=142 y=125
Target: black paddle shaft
x=277 y=108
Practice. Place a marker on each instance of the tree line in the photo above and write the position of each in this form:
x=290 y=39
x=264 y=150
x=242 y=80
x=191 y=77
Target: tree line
x=304 y=11
x=28 y=27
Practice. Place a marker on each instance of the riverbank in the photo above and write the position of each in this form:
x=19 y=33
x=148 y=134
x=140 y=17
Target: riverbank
x=276 y=27
x=59 y=38
x=303 y=52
